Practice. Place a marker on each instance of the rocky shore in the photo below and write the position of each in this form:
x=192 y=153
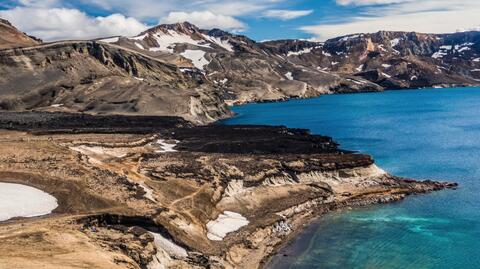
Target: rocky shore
x=159 y=192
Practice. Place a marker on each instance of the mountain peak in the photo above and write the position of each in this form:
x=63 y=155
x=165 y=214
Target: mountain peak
x=180 y=27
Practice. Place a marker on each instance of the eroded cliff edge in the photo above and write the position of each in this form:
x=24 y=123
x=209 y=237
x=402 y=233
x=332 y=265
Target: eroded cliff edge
x=158 y=192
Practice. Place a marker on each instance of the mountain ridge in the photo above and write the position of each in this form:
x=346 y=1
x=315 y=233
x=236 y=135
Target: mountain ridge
x=126 y=75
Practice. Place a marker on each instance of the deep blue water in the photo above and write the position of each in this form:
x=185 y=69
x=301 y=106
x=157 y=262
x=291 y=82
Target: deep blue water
x=424 y=134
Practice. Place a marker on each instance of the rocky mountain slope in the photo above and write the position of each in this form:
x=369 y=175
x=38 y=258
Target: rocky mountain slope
x=11 y=37
x=181 y=70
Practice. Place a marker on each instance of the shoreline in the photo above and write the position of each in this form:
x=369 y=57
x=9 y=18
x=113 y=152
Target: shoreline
x=305 y=164
x=309 y=221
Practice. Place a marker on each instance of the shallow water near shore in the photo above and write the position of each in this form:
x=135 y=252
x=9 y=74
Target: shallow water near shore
x=422 y=134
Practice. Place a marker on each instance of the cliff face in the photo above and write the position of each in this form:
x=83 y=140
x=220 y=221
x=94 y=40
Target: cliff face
x=181 y=70
x=10 y=37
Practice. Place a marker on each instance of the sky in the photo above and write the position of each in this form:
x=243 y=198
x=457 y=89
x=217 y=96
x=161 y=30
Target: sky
x=259 y=19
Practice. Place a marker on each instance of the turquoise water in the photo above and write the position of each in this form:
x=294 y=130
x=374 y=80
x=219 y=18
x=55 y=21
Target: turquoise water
x=424 y=134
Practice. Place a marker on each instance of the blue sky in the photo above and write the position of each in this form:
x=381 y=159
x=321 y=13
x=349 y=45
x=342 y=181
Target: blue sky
x=258 y=19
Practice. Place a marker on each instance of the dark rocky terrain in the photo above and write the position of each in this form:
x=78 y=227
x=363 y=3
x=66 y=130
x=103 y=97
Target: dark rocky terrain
x=145 y=192
x=180 y=70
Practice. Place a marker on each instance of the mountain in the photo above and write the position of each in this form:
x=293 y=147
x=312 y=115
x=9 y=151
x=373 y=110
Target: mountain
x=11 y=37
x=181 y=70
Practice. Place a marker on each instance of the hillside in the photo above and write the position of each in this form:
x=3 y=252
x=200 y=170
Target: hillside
x=181 y=70
x=11 y=37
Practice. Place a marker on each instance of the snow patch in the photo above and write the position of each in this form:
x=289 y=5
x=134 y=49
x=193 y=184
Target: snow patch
x=289 y=75
x=166 y=147
x=300 y=52
x=110 y=40
x=220 y=42
x=18 y=200
x=394 y=42
x=197 y=57
x=360 y=68
x=346 y=38
x=386 y=65
x=168 y=246
x=167 y=41
x=225 y=223
x=139 y=45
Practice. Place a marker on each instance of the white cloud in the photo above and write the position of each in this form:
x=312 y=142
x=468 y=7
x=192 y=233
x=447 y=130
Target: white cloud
x=286 y=14
x=62 y=23
x=370 y=2
x=427 y=16
x=154 y=9
x=206 y=20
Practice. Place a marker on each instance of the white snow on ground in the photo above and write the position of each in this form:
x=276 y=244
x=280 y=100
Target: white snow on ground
x=446 y=47
x=360 y=68
x=326 y=54
x=140 y=37
x=23 y=201
x=220 y=42
x=225 y=80
x=110 y=40
x=395 y=42
x=301 y=52
x=197 y=57
x=168 y=246
x=476 y=70
x=476 y=60
x=166 y=251
x=350 y=37
x=166 y=41
x=57 y=105
x=386 y=65
x=225 y=223
x=289 y=76
x=335 y=63
x=166 y=147
x=139 y=45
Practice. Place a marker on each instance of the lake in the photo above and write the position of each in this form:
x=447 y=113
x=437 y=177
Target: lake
x=422 y=134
